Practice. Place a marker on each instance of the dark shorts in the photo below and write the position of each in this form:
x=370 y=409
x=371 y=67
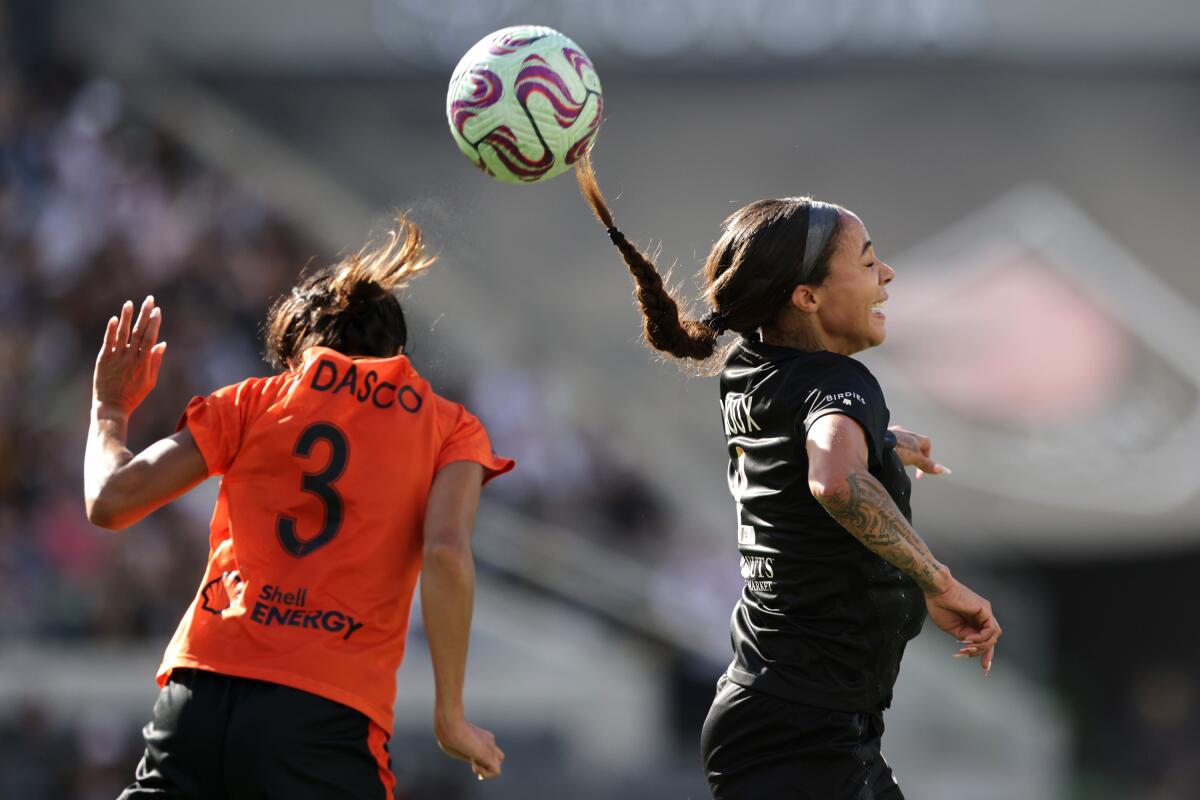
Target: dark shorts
x=759 y=747
x=215 y=737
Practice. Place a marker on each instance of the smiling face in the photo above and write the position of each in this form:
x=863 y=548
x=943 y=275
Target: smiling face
x=845 y=312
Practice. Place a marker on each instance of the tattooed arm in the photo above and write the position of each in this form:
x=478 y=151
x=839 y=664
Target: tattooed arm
x=839 y=480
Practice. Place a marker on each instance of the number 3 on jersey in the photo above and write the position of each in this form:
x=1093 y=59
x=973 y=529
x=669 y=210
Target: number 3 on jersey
x=320 y=484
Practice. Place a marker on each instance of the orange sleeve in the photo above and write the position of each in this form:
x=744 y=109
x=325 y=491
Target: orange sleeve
x=468 y=441
x=216 y=423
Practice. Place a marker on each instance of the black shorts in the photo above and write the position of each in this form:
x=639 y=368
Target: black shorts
x=757 y=746
x=216 y=737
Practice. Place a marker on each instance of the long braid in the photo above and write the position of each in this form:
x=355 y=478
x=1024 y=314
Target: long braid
x=662 y=326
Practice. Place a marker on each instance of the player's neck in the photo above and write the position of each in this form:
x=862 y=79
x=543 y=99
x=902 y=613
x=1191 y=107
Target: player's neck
x=797 y=335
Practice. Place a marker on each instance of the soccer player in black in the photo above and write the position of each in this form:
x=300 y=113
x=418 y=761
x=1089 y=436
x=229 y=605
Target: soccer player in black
x=837 y=580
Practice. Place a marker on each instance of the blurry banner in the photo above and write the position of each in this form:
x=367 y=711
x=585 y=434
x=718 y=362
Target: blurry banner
x=426 y=32
x=1049 y=365
x=428 y=36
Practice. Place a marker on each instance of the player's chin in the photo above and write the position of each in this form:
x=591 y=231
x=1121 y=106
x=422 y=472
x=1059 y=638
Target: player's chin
x=878 y=330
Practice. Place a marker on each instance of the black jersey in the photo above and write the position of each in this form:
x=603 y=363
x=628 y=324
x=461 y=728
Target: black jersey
x=822 y=620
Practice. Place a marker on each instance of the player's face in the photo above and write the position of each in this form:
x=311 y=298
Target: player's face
x=850 y=313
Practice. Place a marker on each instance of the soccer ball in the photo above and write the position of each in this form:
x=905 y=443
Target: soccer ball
x=524 y=104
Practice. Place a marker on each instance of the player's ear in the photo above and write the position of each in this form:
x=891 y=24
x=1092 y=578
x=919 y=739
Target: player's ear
x=806 y=298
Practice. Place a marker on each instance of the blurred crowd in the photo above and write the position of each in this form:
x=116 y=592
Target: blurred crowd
x=42 y=758
x=96 y=207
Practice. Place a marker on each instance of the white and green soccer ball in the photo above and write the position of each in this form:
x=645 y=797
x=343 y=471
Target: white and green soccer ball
x=524 y=104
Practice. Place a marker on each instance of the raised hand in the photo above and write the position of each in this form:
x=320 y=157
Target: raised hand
x=128 y=363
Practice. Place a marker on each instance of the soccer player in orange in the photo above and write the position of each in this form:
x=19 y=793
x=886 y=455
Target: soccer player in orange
x=344 y=476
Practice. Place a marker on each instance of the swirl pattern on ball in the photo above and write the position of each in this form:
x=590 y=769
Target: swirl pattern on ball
x=535 y=76
x=512 y=42
x=577 y=60
x=524 y=104
x=486 y=90
x=506 y=148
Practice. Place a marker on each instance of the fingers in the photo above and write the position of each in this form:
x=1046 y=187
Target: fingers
x=476 y=746
x=146 y=320
x=985 y=654
x=989 y=628
x=123 y=322
x=985 y=632
x=981 y=644
x=144 y=333
x=969 y=649
x=931 y=467
x=129 y=362
x=971 y=622
x=918 y=448
x=110 y=336
x=150 y=337
x=487 y=764
x=926 y=464
x=142 y=341
x=156 y=358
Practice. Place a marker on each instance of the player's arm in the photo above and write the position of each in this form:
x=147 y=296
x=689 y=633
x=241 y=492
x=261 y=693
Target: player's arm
x=447 y=601
x=840 y=481
x=120 y=488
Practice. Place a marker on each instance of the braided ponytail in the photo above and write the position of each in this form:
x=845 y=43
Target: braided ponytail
x=662 y=327
x=765 y=250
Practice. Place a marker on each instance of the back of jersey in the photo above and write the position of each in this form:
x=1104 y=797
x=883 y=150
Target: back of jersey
x=316 y=538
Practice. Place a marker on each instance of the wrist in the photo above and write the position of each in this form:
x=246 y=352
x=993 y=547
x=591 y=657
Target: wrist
x=448 y=714
x=940 y=582
x=107 y=410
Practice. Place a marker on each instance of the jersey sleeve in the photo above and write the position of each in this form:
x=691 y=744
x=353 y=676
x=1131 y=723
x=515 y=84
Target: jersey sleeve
x=848 y=391
x=467 y=440
x=217 y=421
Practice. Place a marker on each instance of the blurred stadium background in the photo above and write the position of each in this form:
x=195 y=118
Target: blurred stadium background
x=1031 y=169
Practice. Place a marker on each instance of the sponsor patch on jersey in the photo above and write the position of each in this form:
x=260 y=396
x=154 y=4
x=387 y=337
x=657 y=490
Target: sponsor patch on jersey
x=846 y=398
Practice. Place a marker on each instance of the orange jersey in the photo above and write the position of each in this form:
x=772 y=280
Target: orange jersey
x=316 y=539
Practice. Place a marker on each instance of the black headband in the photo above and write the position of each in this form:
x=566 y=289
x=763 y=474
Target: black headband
x=822 y=221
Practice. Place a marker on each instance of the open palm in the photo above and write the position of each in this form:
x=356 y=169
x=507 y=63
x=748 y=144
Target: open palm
x=128 y=363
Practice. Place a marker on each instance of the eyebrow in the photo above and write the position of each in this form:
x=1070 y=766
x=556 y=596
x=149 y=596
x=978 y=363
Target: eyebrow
x=866 y=247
